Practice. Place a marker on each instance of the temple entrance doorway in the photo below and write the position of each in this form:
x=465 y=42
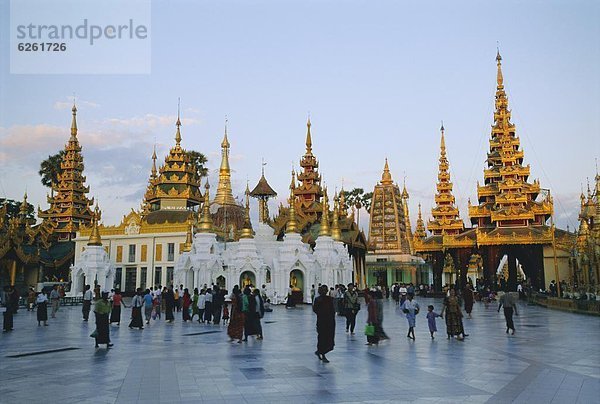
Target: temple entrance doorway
x=221 y=283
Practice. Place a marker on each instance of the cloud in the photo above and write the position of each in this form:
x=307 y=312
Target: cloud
x=151 y=121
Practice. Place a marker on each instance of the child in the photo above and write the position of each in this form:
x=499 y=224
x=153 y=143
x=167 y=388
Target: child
x=225 y=314
x=431 y=315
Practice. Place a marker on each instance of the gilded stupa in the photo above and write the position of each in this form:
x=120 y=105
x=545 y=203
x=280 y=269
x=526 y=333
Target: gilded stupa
x=69 y=206
x=228 y=215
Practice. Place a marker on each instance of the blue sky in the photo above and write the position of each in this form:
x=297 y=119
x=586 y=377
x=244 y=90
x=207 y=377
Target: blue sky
x=377 y=78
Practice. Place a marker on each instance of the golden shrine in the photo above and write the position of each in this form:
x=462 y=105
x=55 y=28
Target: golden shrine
x=308 y=212
x=390 y=258
x=509 y=219
x=585 y=255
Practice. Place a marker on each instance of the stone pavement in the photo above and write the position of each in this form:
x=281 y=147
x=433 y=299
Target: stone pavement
x=553 y=358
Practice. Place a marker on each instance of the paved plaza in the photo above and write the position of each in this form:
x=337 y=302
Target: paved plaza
x=553 y=358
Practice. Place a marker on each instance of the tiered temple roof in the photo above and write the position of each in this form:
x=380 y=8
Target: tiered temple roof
x=177 y=184
x=69 y=205
x=586 y=263
x=309 y=192
x=446 y=218
x=388 y=224
x=507 y=199
x=263 y=191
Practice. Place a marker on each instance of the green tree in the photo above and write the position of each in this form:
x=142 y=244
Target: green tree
x=199 y=160
x=50 y=169
x=14 y=207
x=358 y=198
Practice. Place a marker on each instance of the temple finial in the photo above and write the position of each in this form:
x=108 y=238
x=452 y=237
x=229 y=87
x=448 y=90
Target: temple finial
x=225 y=142
x=154 y=171
x=499 y=77
x=74 y=121
x=308 y=137
x=386 y=177
x=178 y=124
x=95 y=234
x=205 y=225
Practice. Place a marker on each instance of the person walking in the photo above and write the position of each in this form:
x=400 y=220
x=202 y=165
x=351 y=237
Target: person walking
x=410 y=307
x=101 y=310
x=510 y=306
x=195 y=298
x=148 y=305
x=169 y=299
x=454 y=325
x=351 y=307
x=115 y=313
x=186 y=301
x=41 y=302
x=7 y=324
x=325 y=311
x=260 y=312
x=372 y=321
x=431 y=315
x=201 y=305
x=235 y=329
x=249 y=309
x=136 y=310
x=217 y=304
x=208 y=299
x=176 y=300
x=54 y=300
x=87 y=303
x=468 y=298
x=30 y=299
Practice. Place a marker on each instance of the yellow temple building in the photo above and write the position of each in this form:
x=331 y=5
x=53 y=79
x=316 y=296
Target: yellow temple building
x=390 y=257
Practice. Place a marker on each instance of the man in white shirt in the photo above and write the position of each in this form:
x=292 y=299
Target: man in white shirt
x=87 y=302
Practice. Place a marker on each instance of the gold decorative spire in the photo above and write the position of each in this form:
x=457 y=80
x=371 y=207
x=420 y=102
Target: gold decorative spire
x=178 y=124
x=224 y=193
x=420 y=230
x=95 y=234
x=23 y=207
x=189 y=237
x=206 y=224
x=446 y=217
x=499 y=77
x=247 y=229
x=154 y=163
x=336 y=233
x=308 y=139
x=292 y=225
x=324 y=231
x=386 y=177
x=343 y=209
x=74 y=122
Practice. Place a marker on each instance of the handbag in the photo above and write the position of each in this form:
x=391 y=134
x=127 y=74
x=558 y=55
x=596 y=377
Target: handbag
x=370 y=330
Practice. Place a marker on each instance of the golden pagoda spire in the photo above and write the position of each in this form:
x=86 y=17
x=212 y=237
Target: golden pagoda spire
x=189 y=237
x=342 y=209
x=247 y=229
x=95 y=234
x=499 y=77
x=178 y=124
x=23 y=207
x=420 y=230
x=386 y=177
x=154 y=163
x=336 y=233
x=308 y=138
x=74 y=122
x=325 y=216
x=224 y=193
x=206 y=224
x=292 y=225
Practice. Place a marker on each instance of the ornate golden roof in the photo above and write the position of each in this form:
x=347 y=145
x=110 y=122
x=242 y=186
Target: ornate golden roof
x=177 y=184
x=506 y=198
x=69 y=206
x=309 y=191
x=446 y=217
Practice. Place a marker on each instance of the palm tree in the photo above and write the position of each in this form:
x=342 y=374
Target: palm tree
x=50 y=169
x=198 y=159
